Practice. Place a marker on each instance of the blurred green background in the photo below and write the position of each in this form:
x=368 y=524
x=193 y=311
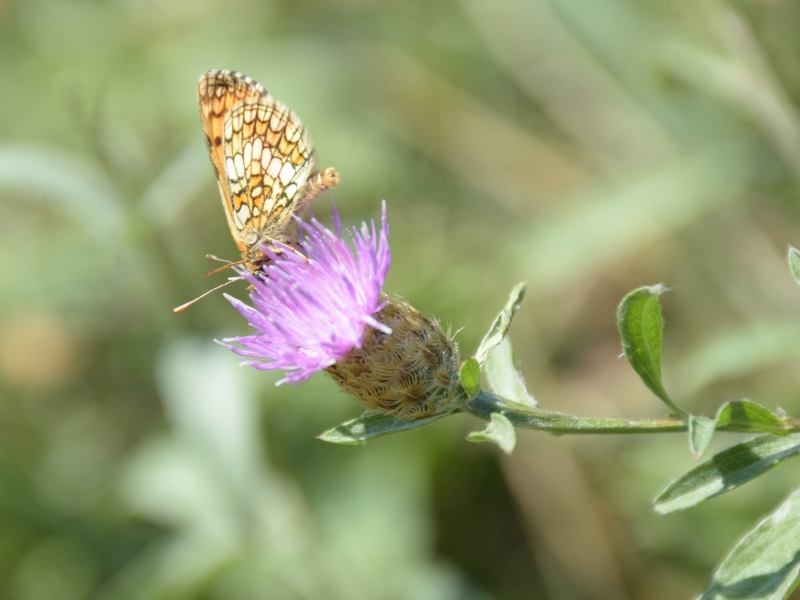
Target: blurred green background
x=584 y=146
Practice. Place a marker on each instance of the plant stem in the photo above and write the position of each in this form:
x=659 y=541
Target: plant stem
x=532 y=417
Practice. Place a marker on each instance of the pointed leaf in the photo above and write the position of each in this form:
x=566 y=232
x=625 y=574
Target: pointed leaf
x=369 y=426
x=503 y=377
x=744 y=415
x=499 y=329
x=764 y=565
x=701 y=430
x=499 y=431
x=470 y=377
x=739 y=415
x=641 y=328
x=794 y=263
x=726 y=471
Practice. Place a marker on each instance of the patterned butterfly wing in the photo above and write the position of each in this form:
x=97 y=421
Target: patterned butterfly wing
x=217 y=93
x=262 y=159
x=268 y=161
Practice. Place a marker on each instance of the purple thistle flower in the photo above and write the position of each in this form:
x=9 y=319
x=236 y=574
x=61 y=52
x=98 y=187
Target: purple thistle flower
x=310 y=312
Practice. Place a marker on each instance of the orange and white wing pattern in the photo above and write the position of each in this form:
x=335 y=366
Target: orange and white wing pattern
x=262 y=158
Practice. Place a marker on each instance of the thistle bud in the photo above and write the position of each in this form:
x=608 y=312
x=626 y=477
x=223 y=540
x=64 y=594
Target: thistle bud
x=411 y=373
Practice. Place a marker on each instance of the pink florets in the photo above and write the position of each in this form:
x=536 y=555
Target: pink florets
x=310 y=312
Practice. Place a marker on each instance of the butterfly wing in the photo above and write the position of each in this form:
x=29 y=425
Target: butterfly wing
x=260 y=151
x=217 y=93
x=268 y=160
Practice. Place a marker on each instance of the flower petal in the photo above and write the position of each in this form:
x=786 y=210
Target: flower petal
x=310 y=312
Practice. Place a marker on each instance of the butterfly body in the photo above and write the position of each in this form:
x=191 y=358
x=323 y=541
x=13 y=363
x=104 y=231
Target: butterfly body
x=263 y=161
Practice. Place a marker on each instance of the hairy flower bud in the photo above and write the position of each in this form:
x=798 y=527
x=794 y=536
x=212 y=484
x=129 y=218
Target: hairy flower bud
x=411 y=372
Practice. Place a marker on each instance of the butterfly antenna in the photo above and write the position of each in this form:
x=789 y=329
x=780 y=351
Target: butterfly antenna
x=217 y=258
x=223 y=267
x=183 y=307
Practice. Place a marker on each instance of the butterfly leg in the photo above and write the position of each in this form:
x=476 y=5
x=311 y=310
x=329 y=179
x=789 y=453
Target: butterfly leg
x=279 y=246
x=228 y=265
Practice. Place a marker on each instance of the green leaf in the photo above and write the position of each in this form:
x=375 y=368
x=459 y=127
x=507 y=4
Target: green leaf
x=470 y=377
x=641 y=328
x=499 y=329
x=747 y=416
x=764 y=565
x=740 y=415
x=369 y=426
x=794 y=263
x=726 y=471
x=503 y=377
x=701 y=430
x=499 y=431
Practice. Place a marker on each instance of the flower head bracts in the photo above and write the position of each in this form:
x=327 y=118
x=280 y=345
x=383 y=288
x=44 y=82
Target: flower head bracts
x=309 y=312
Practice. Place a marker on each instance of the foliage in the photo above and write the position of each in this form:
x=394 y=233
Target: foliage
x=764 y=564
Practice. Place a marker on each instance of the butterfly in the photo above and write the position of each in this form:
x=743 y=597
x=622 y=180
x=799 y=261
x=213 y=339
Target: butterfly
x=263 y=160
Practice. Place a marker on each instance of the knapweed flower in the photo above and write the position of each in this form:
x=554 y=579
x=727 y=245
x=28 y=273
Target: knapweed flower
x=320 y=307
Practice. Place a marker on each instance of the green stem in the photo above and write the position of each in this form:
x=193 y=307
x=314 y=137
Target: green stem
x=531 y=417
